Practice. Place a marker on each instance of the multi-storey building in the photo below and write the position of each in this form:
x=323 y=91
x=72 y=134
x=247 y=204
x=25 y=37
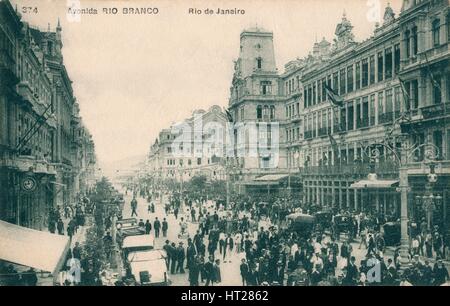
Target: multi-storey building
x=400 y=71
x=36 y=127
x=257 y=105
x=192 y=147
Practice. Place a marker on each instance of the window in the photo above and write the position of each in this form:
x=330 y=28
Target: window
x=389 y=105
x=380 y=106
x=414 y=94
x=242 y=113
x=372 y=70
x=414 y=41
x=437 y=139
x=350 y=124
x=310 y=96
x=365 y=111
x=407 y=43
x=335 y=82
x=342 y=81
x=305 y=98
x=380 y=66
x=437 y=96
x=319 y=92
x=266 y=112
x=199 y=161
x=272 y=112
x=266 y=87
x=365 y=73
x=324 y=90
x=372 y=113
x=350 y=78
x=397 y=58
x=436 y=25
x=397 y=104
x=314 y=94
x=259 y=112
x=388 y=63
x=358 y=113
x=189 y=162
x=358 y=76
x=259 y=63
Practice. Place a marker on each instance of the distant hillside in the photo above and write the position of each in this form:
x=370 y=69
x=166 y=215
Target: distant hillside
x=122 y=166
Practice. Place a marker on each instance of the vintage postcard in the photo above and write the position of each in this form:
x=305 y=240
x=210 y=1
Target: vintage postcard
x=224 y=143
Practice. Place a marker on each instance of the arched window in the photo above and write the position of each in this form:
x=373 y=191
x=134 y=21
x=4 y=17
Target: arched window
x=435 y=28
x=259 y=63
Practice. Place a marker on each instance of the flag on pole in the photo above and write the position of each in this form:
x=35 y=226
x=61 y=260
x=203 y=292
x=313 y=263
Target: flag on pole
x=406 y=96
x=336 y=100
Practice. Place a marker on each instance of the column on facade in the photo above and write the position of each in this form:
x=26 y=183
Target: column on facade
x=355 y=195
x=340 y=194
x=347 y=190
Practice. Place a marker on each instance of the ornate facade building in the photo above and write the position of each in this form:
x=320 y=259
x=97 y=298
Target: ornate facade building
x=257 y=106
x=192 y=147
x=394 y=83
x=42 y=138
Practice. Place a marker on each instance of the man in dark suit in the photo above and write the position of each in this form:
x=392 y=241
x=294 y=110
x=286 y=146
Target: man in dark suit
x=244 y=271
x=209 y=271
x=180 y=257
x=165 y=227
x=157 y=227
x=352 y=273
x=190 y=253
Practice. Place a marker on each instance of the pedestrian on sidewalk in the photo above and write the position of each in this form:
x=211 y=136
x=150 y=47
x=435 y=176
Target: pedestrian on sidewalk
x=165 y=227
x=157 y=227
x=134 y=206
x=167 y=249
x=244 y=271
x=175 y=212
x=148 y=227
x=181 y=255
x=60 y=227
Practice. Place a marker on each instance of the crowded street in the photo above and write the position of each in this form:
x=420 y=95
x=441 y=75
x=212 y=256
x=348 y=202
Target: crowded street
x=272 y=143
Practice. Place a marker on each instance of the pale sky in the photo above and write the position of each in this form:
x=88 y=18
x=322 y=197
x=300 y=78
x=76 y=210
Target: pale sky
x=136 y=74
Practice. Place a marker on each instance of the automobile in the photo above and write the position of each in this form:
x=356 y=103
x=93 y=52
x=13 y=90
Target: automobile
x=391 y=233
x=301 y=223
x=343 y=223
x=149 y=267
x=324 y=218
x=133 y=230
x=137 y=243
x=126 y=222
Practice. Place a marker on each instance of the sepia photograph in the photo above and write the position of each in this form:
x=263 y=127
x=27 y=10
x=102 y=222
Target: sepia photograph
x=238 y=144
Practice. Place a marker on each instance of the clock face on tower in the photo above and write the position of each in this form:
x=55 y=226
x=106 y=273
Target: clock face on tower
x=28 y=184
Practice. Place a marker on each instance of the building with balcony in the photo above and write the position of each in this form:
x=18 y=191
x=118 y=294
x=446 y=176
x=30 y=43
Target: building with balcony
x=36 y=131
x=400 y=72
x=257 y=105
x=194 y=146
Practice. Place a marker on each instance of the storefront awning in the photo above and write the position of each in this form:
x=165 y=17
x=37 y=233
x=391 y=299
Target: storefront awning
x=271 y=178
x=40 y=250
x=265 y=180
x=374 y=184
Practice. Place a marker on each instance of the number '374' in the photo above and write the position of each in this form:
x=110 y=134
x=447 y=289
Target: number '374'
x=29 y=9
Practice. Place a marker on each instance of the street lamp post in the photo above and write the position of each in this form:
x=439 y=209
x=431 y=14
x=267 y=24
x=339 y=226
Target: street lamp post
x=406 y=152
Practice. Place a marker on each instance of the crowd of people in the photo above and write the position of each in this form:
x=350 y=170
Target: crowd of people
x=272 y=254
